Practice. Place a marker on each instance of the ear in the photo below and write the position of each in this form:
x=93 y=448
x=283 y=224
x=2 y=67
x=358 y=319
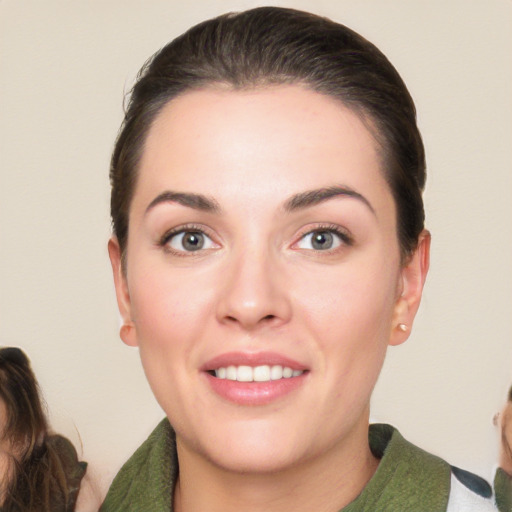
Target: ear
x=127 y=331
x=412 y=280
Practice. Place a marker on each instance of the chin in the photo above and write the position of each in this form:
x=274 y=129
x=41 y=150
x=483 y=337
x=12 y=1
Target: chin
x=249 y=447
x=255 y=459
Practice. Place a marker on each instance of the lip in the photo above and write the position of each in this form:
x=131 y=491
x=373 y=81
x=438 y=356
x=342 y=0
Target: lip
x=253 y=393
x=251 y=359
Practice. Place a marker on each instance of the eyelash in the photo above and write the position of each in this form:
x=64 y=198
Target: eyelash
x=344 y=236
x=168 y=236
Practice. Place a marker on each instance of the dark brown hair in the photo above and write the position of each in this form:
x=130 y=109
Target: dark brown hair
x=44 y=471
x=271 y=46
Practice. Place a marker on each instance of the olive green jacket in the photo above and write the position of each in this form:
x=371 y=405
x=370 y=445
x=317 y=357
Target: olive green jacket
x=407 y=479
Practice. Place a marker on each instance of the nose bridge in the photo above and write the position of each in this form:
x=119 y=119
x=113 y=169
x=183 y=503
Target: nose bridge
x=253 y=291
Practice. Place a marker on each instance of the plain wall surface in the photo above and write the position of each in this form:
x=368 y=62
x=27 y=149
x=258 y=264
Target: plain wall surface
x=64 y=67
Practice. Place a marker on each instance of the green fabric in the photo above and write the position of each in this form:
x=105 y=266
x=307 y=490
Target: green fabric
x=146 y=481
x=407 y=479
x=503 y=490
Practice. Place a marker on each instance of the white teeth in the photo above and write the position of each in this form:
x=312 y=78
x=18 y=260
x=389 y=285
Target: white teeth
x=262 y=373
x=231 y=373
x=276 y=372
x=244 y=374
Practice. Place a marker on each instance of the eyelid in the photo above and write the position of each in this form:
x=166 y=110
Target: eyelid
x=344 y=235
x=183 y=228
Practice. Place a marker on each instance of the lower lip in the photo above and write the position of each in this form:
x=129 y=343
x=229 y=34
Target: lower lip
x=254 y=393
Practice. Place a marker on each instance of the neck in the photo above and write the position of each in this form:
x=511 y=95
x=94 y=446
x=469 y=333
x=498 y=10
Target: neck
x=325 y=483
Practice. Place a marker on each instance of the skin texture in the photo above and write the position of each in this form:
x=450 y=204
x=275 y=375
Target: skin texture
x=89 y=498
x=260 y=286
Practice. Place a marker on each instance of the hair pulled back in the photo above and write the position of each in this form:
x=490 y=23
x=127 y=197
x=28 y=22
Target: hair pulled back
x=271 y=46
x=44 y=473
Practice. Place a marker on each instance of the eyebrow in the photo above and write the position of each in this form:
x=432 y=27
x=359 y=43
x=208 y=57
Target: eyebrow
x=299 y=201
x=313 y=197
x=195 y=201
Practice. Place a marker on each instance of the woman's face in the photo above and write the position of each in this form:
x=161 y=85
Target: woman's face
x=262 y=242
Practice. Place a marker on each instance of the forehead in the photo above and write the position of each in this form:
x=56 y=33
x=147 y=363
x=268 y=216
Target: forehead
x=283 y=138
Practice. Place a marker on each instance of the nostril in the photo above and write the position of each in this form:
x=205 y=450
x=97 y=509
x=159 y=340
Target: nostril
x=266 y=318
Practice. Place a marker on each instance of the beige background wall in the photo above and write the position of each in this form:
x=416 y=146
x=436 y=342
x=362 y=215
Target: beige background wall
x=63 y=68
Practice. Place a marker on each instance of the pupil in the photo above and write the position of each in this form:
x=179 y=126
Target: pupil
x=193 y=241
x=322 y=240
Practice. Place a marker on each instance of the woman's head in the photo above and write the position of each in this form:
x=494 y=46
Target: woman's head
x=39 y=471
x=24 y=424
x=271 y=46
x=264 y=277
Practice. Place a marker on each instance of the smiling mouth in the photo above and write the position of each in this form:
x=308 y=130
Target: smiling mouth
x=263 y=373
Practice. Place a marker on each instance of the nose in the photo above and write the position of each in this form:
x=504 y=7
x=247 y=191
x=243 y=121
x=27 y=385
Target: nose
x=254 y=292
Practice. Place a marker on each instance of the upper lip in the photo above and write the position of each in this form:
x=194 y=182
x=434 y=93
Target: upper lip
x=251 y=359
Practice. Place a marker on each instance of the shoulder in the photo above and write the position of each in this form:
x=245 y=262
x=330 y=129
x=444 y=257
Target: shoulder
x=503 y=490
x=409 y=478
x=149 y=474
x=67 y=470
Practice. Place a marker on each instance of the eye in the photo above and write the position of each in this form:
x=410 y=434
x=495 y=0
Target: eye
x=189 y=241
x=323 y=240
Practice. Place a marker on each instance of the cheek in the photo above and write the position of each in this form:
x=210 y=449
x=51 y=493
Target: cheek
x=349 y=304
x=350 y=314
x=169 y=311
x=165 y=301
x=507 y=424
x=169 y=316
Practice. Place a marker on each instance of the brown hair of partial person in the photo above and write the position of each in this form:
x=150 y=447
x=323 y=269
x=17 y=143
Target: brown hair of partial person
x=43 y=473
x=270 y=46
